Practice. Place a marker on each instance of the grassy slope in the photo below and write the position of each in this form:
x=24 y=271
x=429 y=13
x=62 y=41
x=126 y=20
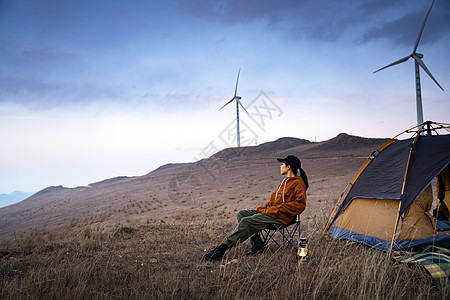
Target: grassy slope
x=141 y=238
x=164 y=261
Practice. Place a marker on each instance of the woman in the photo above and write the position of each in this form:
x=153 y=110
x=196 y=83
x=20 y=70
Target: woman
x=443 y=187
x=286 y=202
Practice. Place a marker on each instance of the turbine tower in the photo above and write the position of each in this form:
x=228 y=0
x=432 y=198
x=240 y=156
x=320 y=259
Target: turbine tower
x=238 y=102
x=417 y=62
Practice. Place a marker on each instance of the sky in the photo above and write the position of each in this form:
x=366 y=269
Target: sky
x=91 y=90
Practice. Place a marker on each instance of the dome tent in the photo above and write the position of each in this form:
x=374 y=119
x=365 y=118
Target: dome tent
x=387 y=203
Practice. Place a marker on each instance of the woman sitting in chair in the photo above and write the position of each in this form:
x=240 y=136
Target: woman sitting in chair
x=286 y=202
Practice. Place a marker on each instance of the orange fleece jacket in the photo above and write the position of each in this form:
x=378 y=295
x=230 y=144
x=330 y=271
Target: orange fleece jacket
x=287 y=201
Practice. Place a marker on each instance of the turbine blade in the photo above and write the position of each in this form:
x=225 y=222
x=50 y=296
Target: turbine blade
x=394 y=63
x=242 y=106
x=228 y=103
x=237 y=80
x=421 y=29
x=422 y=64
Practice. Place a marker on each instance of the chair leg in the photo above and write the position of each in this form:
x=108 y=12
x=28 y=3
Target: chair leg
x=287 y=237
x=267 y=236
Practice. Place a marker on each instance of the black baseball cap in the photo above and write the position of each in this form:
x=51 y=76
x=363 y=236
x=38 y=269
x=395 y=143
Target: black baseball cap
x=292 y=161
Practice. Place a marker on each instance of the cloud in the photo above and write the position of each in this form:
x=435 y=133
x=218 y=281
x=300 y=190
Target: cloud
x=14 y=85
x=43 y=93
x=328 y=21
x=403 y=30
x=16 y=55
x=301 y=18
x=47 y=53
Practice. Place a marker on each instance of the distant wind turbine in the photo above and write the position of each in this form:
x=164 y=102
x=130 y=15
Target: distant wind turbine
x=238 y=102
x=418 y=62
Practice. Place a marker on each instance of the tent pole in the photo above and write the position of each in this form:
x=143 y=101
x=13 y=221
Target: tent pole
x=335 y=207
x=405 y=131
x=395 y=229
x=421 y=128
x=403 y=189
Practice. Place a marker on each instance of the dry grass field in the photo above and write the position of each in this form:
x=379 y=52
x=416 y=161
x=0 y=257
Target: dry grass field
x=145 y=237
x=164 y=261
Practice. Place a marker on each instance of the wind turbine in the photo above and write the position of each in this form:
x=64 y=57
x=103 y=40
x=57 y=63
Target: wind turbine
x=238 y=102
x=417 y=62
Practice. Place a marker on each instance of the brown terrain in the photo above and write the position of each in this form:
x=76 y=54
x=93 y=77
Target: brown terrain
x=209 y=189
x=145 y=237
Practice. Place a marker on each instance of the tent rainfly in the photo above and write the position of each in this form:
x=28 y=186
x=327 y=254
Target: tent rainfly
x=387 y=204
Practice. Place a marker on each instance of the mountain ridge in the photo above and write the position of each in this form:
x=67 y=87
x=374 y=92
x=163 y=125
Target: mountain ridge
x=188 y=189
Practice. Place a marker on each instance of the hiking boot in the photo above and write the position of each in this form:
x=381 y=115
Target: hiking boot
x=217 y=253
x=257 y=245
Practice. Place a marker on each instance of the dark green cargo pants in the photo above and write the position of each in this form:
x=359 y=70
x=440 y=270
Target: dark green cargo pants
x=250 y=222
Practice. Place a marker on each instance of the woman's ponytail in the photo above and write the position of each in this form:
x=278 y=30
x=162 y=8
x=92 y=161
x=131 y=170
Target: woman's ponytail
x=304 y=177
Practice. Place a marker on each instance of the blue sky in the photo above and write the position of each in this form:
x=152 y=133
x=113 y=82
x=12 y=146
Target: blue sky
x=91 y=90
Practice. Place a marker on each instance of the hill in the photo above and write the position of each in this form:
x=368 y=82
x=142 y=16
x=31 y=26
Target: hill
x=212 y=188
x=14 y=197
x=145 y=237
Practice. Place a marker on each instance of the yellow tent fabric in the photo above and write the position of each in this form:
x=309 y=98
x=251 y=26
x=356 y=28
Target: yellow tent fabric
x=376 y=218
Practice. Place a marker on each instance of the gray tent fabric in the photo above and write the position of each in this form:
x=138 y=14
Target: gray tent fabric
x=384 y=175
x=430 y=156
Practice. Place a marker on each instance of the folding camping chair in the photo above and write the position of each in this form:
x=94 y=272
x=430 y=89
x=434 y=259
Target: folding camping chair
x=281 y=235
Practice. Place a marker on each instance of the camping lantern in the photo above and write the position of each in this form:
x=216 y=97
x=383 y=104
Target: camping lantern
x=302 y=252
